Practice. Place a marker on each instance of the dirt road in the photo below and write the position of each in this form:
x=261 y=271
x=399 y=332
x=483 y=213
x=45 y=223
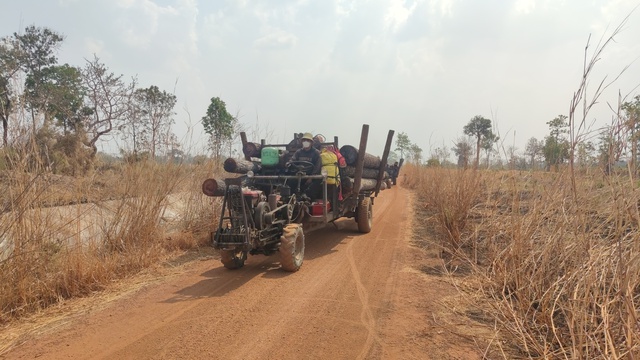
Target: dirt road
x=357 y=296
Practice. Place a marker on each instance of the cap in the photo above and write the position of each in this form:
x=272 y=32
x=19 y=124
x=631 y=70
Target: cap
x=307 y=136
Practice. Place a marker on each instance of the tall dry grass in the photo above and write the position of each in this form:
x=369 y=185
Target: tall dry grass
x=561 y=272
x=62 y=237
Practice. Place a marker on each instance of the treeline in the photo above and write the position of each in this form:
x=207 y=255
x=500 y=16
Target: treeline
x=613 y=146
x=61 y=112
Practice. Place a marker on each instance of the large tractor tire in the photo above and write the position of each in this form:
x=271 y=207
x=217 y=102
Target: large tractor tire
x=232 y=259
x=364 y=215
x=292 y=248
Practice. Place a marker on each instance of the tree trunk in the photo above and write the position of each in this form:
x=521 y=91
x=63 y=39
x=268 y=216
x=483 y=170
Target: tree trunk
x=478 y=153
x=240 y=166
x=350 y=155
x=213 y=187
x=367 y=173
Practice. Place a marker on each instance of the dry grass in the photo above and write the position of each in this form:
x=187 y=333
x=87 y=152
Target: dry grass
x=122 y=220
x=561 y=273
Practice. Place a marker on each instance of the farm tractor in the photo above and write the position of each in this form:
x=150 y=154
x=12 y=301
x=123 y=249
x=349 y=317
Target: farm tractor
x=266 y=211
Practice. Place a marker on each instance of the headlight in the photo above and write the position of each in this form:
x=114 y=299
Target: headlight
x=250 y=174
x=324 y=172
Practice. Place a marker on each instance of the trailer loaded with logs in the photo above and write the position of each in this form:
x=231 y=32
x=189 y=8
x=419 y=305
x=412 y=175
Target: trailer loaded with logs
x=266 y=210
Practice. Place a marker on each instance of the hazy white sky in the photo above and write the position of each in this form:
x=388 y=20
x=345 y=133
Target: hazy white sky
x=424 y=67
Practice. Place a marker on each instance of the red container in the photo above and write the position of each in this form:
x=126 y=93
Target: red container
x=316 y=208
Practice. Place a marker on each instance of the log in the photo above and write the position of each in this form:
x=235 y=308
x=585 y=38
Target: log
x=350 y=154
x=240 y=166
x=213 y=187
x=365 y=184
x=367 y=173
x=251 y=149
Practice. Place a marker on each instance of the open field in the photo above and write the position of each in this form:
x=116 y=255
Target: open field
x=559 y=266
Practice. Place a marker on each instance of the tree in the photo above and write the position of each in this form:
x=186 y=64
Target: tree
x=556 y=146
x=415 y=153
x=462 y=148
x=402 y=143
x=632 y=124
x=154 y=117
x=9 y=67
x=218 y=123
x=487 y=145
x=35 y=55
x=109 y=99
x=585 y=154
x=479 y=128
x=65 y=97
x=441 y=154
x=533 y=150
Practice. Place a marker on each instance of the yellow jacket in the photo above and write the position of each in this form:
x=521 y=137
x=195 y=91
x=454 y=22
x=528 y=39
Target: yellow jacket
x=330 y=163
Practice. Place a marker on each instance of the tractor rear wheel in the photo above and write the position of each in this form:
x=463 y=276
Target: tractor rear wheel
x=364 y=215
x=232 y=259
x=292 y=248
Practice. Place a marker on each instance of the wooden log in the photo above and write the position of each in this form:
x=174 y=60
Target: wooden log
x=240 y=166
x=367 y=173
x=251 y=149
x=350 y=154
x=213 y=187
x=365 y=184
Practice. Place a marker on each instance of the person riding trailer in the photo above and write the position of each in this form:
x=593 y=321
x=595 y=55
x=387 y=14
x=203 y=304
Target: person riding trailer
x=332 y=161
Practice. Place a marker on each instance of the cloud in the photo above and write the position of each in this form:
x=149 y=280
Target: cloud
x=397 y=14
x=276 y=39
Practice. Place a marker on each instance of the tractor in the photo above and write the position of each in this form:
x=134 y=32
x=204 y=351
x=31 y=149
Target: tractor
x=266 y=210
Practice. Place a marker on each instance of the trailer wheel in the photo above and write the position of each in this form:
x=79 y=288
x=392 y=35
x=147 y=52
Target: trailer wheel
x=232 y=259
x=364 y=215
x=292 y=248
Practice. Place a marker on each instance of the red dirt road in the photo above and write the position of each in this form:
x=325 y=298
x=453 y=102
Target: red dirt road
x=357 y=296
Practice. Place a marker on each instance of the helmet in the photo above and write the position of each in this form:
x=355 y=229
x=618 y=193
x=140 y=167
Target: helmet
x=318 y=138
x=307 y=136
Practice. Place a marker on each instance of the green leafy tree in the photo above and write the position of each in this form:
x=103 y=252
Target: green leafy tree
x=65 y=97
x=402 y=143
x=480 y=129
x=487 y=146
x=36 y=55
x=533 y=150
x=154 y=117
x=9 y=67
x=219 y=124
x=556 y=146
x=463 y=149
x=415 y=153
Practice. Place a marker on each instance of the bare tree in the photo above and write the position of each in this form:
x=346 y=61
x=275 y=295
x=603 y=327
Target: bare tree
x=109 y=98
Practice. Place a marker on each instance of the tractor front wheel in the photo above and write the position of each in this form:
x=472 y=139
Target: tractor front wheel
x=364 y=215
x=292 y=248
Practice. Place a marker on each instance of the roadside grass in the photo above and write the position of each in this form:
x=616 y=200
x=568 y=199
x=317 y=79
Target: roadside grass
x=559 y=270
x=64 y=237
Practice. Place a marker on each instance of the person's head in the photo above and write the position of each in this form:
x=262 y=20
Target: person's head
x=307 y=140
x=317 y=141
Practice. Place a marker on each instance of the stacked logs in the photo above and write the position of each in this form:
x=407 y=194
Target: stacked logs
x=370 y=171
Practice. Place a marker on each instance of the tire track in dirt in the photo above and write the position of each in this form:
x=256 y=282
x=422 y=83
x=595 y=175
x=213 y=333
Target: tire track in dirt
x=367 y=317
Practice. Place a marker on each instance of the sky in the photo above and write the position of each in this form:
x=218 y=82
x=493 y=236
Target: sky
x=422 y=67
